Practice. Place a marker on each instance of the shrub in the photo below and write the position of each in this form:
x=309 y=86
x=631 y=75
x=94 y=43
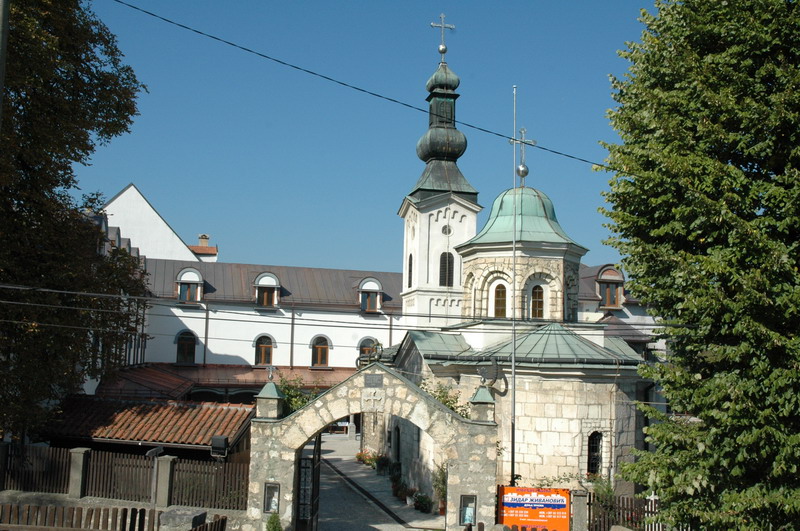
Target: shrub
x=423 y=502
x=274 y=523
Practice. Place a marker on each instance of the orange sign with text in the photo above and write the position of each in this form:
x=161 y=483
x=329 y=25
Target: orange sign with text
x=535 y=508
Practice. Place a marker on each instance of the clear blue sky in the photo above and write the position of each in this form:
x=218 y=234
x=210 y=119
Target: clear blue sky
x=283 y=168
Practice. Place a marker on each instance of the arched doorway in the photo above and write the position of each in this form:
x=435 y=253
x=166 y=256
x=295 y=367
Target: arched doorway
x=376 y=391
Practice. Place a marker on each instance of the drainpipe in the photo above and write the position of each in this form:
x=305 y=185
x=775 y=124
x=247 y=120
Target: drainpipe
x=291 y=342
x=205 y=342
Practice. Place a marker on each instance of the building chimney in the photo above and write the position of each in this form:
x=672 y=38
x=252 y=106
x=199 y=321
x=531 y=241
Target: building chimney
x=203 y=240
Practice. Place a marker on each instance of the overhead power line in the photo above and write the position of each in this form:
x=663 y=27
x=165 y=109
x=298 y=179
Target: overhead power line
x=352 y=86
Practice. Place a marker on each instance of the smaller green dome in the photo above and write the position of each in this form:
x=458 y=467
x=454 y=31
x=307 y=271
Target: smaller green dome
x=443 y=79
x=536 y=219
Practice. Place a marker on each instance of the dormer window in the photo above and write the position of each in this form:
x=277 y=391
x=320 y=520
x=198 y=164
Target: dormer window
x=190 y=286
x=610 y=285
x=268 y=291
x=370 y=291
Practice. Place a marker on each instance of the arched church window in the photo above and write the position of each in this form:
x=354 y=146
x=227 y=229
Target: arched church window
x=366 y=348
x=319 y=352
x=500 y=301
x=410 y=269
x=595 y=453
x=264 y=350
x=537 y=302
x=186 y=345
x=446 y=262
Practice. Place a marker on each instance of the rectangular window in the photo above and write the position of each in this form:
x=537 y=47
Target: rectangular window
x=266 y=297
x=187 y=292
x=263 y=354
x=369 y=301
x=320 y=356
x=609 y=293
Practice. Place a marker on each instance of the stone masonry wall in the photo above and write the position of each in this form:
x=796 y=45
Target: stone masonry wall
x=468 y=446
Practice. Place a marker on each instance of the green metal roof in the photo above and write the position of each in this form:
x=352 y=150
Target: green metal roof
x=437 y=343
x=535 y=220
x=551 y=345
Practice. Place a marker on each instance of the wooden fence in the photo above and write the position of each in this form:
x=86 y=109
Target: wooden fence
x=36 y=468
x=620 y=510
x=50 y=518
x=119 y=476
x=204 y=484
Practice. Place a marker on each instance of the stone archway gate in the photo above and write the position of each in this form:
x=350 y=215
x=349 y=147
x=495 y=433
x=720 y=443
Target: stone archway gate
x=468 y=445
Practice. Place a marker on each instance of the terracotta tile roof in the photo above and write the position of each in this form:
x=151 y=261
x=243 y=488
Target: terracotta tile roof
x=146 y=381
x=168 y=423
x=166 y=380
x=247 y=376
x=203 y=249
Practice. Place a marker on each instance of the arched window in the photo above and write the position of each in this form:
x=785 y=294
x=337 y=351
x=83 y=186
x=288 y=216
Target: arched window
x=410 y=269
x=446 y=269
x=595 y=453
x=500 y=301
x=268 y=290
x=264 y=350
x=319 y=352
x=190 y=284
x=367 y=347
x=537 y=302
x=186 y=345
x=370 y=294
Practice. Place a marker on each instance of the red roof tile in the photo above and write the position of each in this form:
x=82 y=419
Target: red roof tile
x=169 y=423
x=203 y=249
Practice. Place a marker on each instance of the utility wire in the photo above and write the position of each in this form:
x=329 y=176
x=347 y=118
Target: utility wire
x=355 y=87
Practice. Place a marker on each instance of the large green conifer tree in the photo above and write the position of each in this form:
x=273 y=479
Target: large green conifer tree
x=705 y=209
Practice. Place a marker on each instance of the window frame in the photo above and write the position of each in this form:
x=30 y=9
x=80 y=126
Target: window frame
x=320 y=348
x=185 y=341
x=446 y=269
x=594 y=451
x=189 y=286
x=263 y=352
x=537 y=303
x=495 y=299
x=267 y=291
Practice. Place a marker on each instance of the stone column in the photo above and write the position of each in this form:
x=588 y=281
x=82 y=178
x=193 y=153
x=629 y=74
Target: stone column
x=165 y=464
x=482 y=405
x=580 y=510
x=77 y=472
x=351 y=428
x=270 y=402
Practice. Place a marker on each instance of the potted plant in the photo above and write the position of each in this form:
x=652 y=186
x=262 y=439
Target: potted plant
x=401 y=491
x=422 y=502
x=439 y=483
x=410 y=493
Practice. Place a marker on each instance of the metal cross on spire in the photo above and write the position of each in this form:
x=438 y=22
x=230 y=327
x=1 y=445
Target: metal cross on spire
x=442 y=47
x=521 y=169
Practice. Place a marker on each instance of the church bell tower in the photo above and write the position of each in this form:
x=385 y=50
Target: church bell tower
x=440 y=212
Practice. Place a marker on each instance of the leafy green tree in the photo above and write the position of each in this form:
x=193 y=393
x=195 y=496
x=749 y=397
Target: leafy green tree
x=296 y=392
x=66 y=90
x=705 y=210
